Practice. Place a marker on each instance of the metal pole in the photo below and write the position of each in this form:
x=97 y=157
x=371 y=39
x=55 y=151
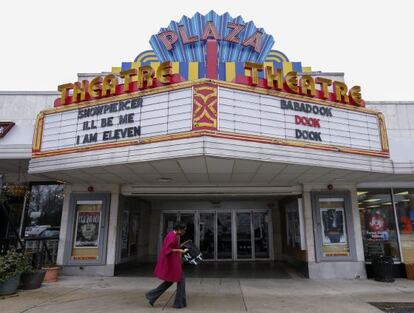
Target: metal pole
x=397 y=226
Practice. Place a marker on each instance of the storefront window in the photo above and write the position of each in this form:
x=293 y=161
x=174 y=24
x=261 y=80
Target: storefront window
x=44 y=209
x=378 y=225
x=404 y=204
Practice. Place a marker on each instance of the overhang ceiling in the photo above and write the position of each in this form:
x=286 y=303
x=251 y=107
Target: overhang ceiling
x=216 y=171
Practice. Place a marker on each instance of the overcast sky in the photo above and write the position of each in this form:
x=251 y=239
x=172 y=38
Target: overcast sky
x=46 y=43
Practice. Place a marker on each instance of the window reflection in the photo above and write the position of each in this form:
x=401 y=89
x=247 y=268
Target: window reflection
x=404 y=204
x=378 y=223
x=44 y=209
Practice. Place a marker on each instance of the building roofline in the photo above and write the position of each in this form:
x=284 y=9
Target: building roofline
x=389 y=102
x=26 y=92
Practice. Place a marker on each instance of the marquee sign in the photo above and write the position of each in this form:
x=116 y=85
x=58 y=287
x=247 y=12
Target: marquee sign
x=210 y=75
x=238 y=41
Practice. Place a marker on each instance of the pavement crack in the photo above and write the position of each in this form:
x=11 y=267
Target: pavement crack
x=48 y=301
x=242 y=295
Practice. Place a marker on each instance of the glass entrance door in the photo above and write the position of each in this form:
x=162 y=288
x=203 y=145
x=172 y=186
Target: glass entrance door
x=261 y=235
x=224 y=236
x=188 y=219
x=244 y=235
x=221 y=235
x=252 y=235
x=207 y=234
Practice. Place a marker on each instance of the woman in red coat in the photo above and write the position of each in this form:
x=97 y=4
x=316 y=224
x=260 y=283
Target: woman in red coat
x=169 y=268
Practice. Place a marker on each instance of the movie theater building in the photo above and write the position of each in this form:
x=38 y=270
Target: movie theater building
x=262 y=157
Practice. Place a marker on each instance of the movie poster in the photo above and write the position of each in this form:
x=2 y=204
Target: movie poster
x=377 y=224
x=87 y=229
x=333 y=226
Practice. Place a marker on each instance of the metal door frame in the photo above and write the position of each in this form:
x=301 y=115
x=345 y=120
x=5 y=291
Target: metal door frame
x=233 y=212
x=269 y=229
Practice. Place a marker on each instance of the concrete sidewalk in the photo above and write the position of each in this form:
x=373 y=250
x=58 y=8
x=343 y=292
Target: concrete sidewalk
x=126 y=294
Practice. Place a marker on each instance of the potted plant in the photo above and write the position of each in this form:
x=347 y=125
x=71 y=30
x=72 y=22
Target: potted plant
x=52 y=273
x=31 y=277
x=11 y=267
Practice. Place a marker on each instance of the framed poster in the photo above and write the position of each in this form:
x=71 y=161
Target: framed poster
x=333 y=221
x=87 y=229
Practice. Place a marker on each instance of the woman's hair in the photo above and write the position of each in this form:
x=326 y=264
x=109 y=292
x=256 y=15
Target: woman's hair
x=180 y=226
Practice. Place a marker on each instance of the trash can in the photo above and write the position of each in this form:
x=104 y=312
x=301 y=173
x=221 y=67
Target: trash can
x=383 y=268
x=409 y=268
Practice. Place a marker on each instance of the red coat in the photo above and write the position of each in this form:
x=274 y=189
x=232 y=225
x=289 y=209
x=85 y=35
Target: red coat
x=168 y=266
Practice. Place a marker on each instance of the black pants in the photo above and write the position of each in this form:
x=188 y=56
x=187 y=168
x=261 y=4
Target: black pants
x=180 y=298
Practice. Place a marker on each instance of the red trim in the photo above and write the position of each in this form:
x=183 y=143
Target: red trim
x=211 y=59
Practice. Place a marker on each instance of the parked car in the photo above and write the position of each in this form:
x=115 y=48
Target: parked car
x=48 y=236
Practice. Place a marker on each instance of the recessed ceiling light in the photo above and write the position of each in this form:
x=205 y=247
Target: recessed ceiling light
x=373 y=206
x=360 y=193
x=387 y=203
x=402 y=193
x=405 y=200
x=372 y=200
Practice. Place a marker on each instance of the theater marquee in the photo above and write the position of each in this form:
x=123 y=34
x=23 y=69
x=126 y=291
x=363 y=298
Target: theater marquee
x=220 y=80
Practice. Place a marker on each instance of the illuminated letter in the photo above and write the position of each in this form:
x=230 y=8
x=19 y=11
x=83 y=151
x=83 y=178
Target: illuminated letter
x=127 y=76
x=109 y=84
x=64 y=92
x=254 y=41
x=274 y=80
x=78 y=89
x=168 y=38
x=95 y=87
x=325 y=83
x=184 y=37
x=254 y=71
x=210 y=31
x=164 y=72
x=341 y=91
x=145 y=75
x=236 y=29
x=307 y=86
x=355 y=96
x=291 y=81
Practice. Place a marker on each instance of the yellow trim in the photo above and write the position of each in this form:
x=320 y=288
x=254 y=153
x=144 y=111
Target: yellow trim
x=155 y=65
x=383 y=132
x=176 y=67
x=287 y=67
x=230 y=71
x=115 y=70
x=193 y=71
x=38 y=132
x=306 y=69
x=135 y=65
